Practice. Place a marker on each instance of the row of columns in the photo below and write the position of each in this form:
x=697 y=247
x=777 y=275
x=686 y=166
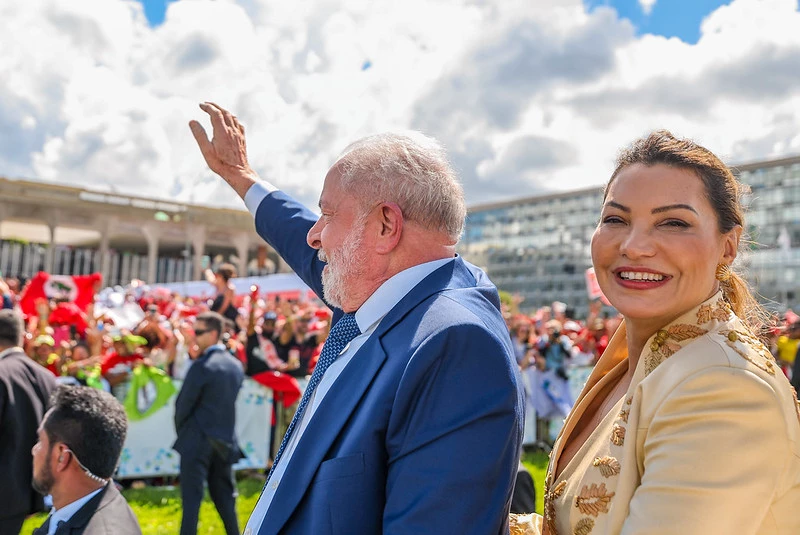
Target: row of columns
x=196 y=235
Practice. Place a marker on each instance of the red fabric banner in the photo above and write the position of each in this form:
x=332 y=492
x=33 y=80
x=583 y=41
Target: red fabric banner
x=78 y=289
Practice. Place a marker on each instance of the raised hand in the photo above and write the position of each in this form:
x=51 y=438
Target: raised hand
x=226 y=152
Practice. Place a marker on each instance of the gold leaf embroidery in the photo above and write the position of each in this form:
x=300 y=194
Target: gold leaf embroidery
x=608 y=466
x=593 y=500
x=669 y=349
x=651 y=362
x=623 y=415
x=661 y=348
x=522 y=524
x=550 y=516
x=722 y=314
x=584 y=526
x=684 y=331
x=551 y=495
x=618 y=435
x=704 y=315
x=629 y=400
x=766 y=362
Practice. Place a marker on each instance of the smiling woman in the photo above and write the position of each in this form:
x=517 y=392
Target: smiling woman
x=686 y=425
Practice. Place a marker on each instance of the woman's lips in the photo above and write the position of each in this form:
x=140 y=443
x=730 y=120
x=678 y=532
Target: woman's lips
x=640 y=279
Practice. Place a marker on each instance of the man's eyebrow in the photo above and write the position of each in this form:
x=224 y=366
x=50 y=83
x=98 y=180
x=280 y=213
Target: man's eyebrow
x=673 y=207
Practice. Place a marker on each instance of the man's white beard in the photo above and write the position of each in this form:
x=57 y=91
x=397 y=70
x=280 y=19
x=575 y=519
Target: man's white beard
x=343 y=266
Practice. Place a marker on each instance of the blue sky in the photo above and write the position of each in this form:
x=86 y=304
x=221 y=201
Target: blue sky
x=154 y=10
x=670 y=18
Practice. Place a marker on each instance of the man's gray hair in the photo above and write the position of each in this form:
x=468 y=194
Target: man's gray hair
x=410 y=169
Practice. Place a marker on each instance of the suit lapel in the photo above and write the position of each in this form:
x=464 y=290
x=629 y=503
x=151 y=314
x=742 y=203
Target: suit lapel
x=83 y=515
x=326 y=424
x=42 y=530
x=346 y=393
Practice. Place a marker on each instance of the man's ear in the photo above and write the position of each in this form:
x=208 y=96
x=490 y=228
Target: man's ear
x=390 y=221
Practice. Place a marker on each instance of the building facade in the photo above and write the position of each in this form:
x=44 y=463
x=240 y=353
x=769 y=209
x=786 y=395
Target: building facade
x=539 y=247
x=773 y=227
x=123 y=237
x=536 y=247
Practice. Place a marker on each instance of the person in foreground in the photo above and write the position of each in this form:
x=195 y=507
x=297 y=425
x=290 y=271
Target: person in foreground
x=416 y=425
x=80 y=441
x=25 y=389
x=205 y=419
x=686 y=425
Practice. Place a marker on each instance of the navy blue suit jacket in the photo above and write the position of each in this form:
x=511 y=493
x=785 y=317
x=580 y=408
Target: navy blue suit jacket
x=421 y=432
x=206 y=404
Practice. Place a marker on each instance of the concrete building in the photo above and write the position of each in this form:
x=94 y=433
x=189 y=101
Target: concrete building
x=68 y=230
x=538 y=247
x=773 y=221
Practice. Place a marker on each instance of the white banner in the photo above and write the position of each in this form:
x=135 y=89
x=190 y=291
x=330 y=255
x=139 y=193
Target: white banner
x=148 y=448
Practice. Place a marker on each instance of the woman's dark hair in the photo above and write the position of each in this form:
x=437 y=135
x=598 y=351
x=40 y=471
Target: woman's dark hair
x=92 y=423
x=723 y=191
x=226 y=271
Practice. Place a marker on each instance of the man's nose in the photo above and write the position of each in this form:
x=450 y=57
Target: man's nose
x=313 y=236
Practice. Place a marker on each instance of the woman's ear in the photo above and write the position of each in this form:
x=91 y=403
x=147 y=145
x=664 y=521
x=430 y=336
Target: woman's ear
x=731 y=244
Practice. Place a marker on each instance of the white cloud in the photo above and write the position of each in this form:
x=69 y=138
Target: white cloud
x=526 y=98
x=647 y=6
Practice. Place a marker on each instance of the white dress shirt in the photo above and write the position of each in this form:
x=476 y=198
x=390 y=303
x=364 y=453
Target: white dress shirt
x=368 y=317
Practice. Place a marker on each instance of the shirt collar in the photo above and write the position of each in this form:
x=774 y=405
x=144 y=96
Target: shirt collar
x=392 y=291
x=66 y=512
x=11 y=350
x=216 y=347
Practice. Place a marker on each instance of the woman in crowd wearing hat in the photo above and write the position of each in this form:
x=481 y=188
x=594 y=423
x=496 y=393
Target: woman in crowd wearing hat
x=686 y=425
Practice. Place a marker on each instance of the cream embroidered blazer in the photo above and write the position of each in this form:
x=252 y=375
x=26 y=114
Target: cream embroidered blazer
x=704 y=442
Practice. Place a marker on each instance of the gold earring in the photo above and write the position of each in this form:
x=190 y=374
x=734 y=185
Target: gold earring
x=723 y=273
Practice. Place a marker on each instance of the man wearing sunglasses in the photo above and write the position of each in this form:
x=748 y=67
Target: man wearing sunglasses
x=205 y=416
x=80 y=441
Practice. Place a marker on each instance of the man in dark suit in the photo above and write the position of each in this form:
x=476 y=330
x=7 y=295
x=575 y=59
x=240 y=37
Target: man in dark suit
x=25 y=389
x=412 y=419
x=205 y=416
x=80 y=441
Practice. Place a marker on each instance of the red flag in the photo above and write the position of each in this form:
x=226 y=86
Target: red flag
x=78 y=289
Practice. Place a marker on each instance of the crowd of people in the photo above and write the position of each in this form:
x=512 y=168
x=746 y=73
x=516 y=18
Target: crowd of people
x=89 y=348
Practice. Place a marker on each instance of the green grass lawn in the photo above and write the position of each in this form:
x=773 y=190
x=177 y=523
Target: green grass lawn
x=159 y=508
x=536 y=463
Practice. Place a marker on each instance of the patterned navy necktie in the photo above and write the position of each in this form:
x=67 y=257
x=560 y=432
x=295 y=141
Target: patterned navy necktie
x=341 y=334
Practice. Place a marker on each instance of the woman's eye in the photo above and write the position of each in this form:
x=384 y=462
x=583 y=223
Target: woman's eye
x=612 y=219
x=676 y=223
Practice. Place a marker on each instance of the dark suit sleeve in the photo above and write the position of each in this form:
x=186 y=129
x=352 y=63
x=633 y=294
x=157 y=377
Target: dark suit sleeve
x=284 y=224
x=456 y=426
x=3 y=399
x=189 y=394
